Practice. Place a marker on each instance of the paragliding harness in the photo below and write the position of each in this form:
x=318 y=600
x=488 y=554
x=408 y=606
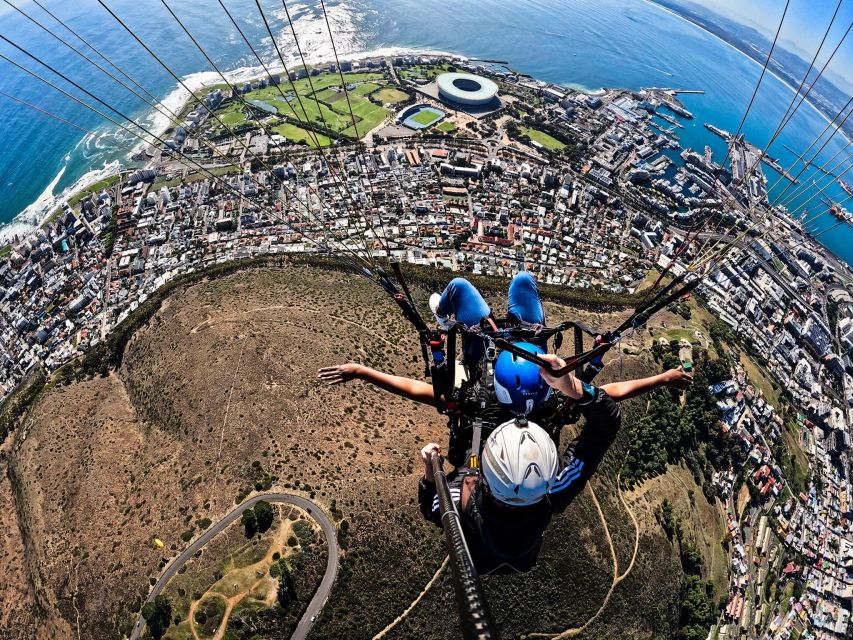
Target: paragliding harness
x=438 y=346
x=438 y=350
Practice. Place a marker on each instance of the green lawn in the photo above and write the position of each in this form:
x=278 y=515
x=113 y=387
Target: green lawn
x=329 y=95
x=233 y=118
x=320 y=104
x=543 y=138
x=796 y=467
x=365 y=89
x=297 y=134
x=762 y=380
x=425 y=117
x=196 y=176
x=447 y=127
x=368 y=115
x=389 y=95
x=679 y=334
x=424 y=71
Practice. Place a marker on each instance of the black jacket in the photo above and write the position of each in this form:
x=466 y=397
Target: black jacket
x=508 y=539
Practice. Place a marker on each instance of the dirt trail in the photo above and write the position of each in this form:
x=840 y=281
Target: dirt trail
x=408 y=610
x=209 y=322
x=277 y=544
x=225 y=420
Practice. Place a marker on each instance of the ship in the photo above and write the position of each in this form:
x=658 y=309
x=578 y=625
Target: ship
x=846 y=186
x=725 y=135
x=676 y=109
x=839 y=212
x=669 y=119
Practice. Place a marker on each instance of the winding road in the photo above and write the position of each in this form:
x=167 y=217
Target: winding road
x=306 y=505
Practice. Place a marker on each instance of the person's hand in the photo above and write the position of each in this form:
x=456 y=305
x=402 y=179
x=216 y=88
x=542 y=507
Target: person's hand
x=340 y=373
x=568 y=384
x=426 y=455
x=678 y=378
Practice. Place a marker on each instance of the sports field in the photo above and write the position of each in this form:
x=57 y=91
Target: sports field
x=426 y=117
x=319 y=101
x=297 y=134
x=389 y=95
x=549 y=142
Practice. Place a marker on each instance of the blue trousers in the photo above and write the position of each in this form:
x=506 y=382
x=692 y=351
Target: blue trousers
x=462 y=300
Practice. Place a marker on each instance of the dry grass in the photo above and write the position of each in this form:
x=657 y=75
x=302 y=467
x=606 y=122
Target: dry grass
x=16 y=596
x=109 y=464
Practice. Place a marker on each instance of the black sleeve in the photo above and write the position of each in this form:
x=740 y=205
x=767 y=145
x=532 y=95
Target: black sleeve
x=586 y=451
x=428 y=498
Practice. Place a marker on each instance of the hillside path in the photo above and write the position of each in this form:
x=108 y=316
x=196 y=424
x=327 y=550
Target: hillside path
x=311 y=508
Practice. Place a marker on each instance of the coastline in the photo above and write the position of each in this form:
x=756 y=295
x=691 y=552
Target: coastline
x=41 y=210
x=770 y=71
x=38 y=212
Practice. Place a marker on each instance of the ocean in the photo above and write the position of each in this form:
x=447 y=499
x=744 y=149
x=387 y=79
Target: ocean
x=585 y=44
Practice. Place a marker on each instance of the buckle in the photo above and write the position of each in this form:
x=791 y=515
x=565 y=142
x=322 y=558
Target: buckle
x=491 y=351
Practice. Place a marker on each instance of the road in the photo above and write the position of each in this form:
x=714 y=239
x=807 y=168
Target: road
x=305 y=504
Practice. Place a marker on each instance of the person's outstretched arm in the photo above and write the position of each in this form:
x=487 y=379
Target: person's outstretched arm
x=674 y=378
x=409 y=388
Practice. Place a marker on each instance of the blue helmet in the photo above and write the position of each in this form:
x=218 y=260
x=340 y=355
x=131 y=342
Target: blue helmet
x=517 y=381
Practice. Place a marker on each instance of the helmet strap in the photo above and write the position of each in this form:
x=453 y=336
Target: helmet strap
x=474 y=458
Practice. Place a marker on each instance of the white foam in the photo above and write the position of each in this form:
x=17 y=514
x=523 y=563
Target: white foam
x=313 y=35
x=36 y=213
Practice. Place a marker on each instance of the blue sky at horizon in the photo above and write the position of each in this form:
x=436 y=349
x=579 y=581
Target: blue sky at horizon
x=802 y=31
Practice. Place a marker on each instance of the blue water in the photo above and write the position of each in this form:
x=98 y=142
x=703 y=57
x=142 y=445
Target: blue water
x=581 y=43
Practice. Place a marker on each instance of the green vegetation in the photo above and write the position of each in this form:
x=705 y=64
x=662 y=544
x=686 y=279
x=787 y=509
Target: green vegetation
x=209 y=613
x=286 y=587
x=196 y=176
x=319 y=103
x=547 y=141
x=18 y=403
x=447 y=127
x=264 y=516
x=791 y=458
x=670 y=432
x=389 y=95
x=304 y=533
x=233 y=116
x=696 y=609
x=109 y=236
x=250 y=523
x=5 y=251
x=158 y=616
x=425 y=117
x=425 y=71
x=258 y=519
x=759 y=377
x=97 y=187
x=296 y=134
x=368 y=116
x=365 y=89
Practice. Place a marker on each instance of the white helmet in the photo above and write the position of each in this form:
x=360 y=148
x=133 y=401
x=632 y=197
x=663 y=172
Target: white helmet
x=519 y=462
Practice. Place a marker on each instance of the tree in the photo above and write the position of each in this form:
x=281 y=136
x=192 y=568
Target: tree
x=250 y=523
x=286 y=586
x=158 y=616
x=691 y=559
x=263 y=515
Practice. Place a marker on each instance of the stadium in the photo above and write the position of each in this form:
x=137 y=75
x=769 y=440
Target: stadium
x=420 y=116
x=466 y=89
